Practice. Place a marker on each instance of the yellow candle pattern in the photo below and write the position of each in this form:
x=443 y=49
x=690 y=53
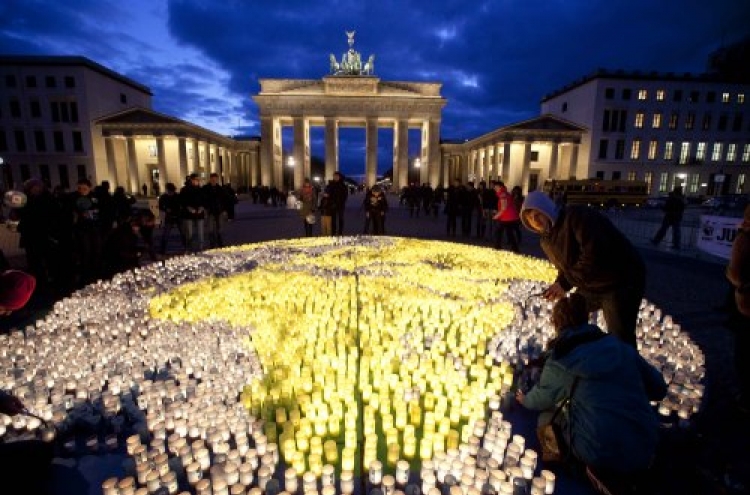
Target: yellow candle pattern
x=368 y=354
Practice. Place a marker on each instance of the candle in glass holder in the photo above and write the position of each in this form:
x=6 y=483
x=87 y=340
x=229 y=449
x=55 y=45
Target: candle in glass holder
x=194 y=473
x=347 y=482
x=549 y=478
x=291 y=483
x=328 y=476
x=389 y=484
x=109 y=487
x=402 y=473
x=309 y=482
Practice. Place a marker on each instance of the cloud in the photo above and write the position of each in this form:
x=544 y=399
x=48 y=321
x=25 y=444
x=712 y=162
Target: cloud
x=496 y=59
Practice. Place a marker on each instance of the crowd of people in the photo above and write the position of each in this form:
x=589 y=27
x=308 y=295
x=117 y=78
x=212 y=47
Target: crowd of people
x=71 y=239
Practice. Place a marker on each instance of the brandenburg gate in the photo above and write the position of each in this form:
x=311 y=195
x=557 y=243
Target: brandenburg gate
x=350 y=96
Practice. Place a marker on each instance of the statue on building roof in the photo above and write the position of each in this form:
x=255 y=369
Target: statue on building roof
x=351 y=61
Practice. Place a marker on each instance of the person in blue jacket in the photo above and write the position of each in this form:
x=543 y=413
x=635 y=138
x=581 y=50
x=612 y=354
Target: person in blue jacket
x=609 y=424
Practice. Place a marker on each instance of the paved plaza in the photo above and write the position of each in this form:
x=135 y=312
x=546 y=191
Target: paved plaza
x=686 y=284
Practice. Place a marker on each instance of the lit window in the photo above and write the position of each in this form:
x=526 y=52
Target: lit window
x=690 y=121
x=656 y=122
x=684 y=152
x=642 y=94
x=741 y=98
x=668 y=150
x=653 y=146
x=152 y=150
x=632 y=175
x=695 y=180
x=660 y=95
x=725 y=97
x=716 y=152
x=746 y=153
x=639 y=120
x=649 y=178
x=635 y=149
x=731 y=152
x=663 y=180
x=740 y=184
x=700 y=151
x=673 y=119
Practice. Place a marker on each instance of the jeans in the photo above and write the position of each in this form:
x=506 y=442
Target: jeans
x=620 y=307
x=214 y=227
x=193 y=227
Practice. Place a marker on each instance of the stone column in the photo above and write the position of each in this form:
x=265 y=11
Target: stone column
x=553 y=160
x=371 y=146
x=182 y=156
x=401 y=155
x=133 y=178
x=434 y=161
x=526 y=166
x=446 y=163
x=506 y=162
x=193 y=160
x=298 y=153
x=308 y=165
x=332 y=147
x=111 y=162
x=161 y=156
x=266 y=150
x=573 y=169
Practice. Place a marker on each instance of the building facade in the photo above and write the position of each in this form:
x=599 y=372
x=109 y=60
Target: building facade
x=47 y=110
x=666 y=129
x=67 y=118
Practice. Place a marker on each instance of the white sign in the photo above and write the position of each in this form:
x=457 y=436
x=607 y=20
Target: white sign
x=716 y=234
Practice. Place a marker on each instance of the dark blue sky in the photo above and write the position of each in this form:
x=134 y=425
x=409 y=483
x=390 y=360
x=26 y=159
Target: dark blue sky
x=496 y=59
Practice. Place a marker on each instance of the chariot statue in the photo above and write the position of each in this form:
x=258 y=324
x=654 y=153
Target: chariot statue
x=351 y=61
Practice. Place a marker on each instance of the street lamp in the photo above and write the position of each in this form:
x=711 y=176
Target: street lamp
x=417 y=162
x=290 y=166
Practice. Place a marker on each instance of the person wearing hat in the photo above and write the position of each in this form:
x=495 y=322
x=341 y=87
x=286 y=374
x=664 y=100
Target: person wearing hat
x=591 y=255
x=16 y=288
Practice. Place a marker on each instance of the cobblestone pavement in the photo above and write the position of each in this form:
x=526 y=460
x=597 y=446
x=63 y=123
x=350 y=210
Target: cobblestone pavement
x=711 y=457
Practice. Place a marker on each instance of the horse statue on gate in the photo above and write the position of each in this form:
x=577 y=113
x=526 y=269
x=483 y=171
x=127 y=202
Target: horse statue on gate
x=369 y=67
x=351 y=61
x=335 y=66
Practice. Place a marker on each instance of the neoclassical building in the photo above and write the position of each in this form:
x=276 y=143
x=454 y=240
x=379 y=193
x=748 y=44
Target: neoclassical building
x=141 y=146
x=65 y=118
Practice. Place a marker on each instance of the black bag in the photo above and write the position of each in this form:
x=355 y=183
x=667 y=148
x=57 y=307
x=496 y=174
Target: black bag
x=551 y=440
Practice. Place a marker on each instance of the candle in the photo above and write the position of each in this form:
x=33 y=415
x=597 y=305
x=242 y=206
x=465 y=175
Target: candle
x=549 y=478
x=290 y=480
x=347 y=482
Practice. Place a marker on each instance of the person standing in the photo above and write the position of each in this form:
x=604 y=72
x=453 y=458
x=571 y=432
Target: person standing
x=169 y=207
x=517 y=194
x=193 y=213
x=673 y=210
x=453 y=206
x=339 y=195
x=37 y=224
x=591 y=255
x=216 y=200
x=326 y=211
x=738 y=274
x=87 y=232
x=506 y=218
x=308 y=198
x=375 y=209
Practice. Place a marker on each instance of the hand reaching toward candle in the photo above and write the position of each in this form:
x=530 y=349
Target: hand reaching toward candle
x=10 y=404
x=520 y=396
x=554 y=292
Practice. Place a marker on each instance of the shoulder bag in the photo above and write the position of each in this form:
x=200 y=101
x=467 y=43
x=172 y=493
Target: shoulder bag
x=551 y=440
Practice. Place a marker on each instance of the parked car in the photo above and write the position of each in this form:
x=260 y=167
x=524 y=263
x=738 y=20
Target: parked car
x=655 y=202
x=726 y=202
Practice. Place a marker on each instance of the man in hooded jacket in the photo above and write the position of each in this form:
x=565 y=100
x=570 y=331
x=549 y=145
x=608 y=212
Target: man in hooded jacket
x=591 y=255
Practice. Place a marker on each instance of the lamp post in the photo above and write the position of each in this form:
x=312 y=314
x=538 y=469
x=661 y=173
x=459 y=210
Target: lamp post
x=290 y=166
